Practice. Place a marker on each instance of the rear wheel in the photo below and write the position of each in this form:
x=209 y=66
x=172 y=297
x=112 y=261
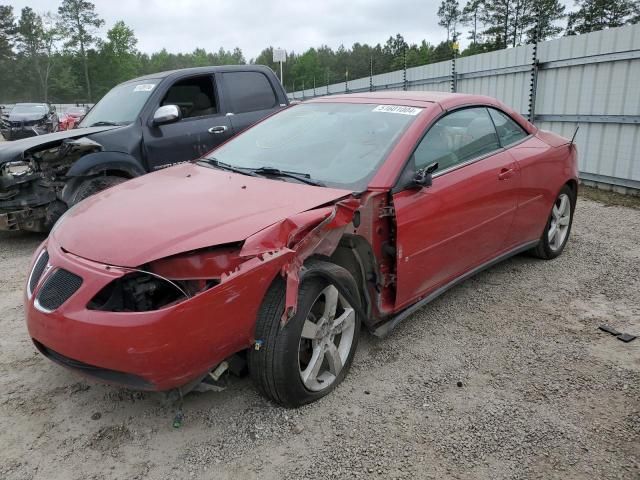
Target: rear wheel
x=308 y=357
x=556 y=232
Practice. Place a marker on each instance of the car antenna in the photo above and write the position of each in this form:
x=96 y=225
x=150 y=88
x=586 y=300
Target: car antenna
x=574 y=134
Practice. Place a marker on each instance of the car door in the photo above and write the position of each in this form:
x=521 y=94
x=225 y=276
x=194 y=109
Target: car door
x=249 y=97
x=202 y=127
x=463 y=219
x=537 y=162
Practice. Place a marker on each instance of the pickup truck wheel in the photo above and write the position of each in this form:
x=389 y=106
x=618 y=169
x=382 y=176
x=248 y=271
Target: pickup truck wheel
x=94 y=185
x=308 y=357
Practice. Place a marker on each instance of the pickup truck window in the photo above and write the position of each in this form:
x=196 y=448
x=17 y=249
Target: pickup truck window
x=248 y=91
x=121 y=105
x=194 y=96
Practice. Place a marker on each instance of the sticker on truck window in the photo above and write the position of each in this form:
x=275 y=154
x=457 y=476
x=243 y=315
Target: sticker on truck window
x=397 y=109
x=144 y=87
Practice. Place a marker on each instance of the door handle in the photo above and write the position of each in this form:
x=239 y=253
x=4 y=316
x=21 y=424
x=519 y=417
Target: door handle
x=218 y=129
x=505 y=173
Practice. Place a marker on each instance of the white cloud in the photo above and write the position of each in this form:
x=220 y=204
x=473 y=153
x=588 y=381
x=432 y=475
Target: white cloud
x=183 y=25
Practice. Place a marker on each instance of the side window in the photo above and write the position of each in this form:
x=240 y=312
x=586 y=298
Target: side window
x=508 y=130
x=194 y=96
x=459 y=137
x=248 y=91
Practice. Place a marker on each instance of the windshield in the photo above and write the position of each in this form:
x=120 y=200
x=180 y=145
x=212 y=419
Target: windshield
x=338 y=144
x=121 y=105
x=77 y=111
x=39 y=109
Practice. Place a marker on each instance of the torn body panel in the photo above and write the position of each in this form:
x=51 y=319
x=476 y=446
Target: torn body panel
x=31 y=188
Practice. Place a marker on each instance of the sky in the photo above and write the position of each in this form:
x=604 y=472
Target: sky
x=183 y=25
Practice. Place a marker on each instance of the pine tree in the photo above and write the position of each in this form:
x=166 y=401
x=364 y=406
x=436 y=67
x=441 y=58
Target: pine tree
x=514 y=22
x=449 y=13
x=471 y=17
x=593 y=15
x=79 y=21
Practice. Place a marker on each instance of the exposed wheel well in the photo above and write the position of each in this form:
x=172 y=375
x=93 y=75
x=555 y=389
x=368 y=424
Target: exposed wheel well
x=355 y=255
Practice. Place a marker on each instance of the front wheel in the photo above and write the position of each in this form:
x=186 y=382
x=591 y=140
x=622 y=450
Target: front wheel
x=308 y=357
x=94 y=185
x=556 y=232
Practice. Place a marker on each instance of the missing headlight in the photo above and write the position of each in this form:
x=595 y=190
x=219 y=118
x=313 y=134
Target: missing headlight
x=144 y=291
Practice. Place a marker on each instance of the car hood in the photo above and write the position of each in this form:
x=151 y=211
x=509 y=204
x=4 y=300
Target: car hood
x=180 y=209
x=25 y=117
x=14 y=151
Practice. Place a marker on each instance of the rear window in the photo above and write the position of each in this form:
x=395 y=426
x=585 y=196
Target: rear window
x=248 y=91
x=508 y=130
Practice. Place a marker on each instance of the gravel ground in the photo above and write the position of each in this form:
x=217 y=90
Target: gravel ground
x=504 y=377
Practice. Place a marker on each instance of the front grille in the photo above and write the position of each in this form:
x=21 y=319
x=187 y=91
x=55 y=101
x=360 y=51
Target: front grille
x=38 y=268
x=58 y=288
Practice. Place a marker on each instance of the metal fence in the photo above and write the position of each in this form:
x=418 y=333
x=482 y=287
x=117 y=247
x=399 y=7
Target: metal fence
x=590 y=80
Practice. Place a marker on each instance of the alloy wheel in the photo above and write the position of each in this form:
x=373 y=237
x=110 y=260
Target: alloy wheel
x=326 y=339
x=559 y=222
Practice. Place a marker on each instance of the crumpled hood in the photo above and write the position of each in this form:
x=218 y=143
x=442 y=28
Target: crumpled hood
x=14 y=151
x=179 y=209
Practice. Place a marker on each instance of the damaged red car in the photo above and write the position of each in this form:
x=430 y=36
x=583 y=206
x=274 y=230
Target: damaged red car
x=336 y=214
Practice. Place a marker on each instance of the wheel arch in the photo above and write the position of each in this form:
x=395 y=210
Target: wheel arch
x=110 y=163
x=354 y=254
x=115 y=164
x=573 y=185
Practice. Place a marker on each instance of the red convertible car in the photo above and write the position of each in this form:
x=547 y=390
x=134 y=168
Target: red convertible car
x=72 y=117
x=280 y=244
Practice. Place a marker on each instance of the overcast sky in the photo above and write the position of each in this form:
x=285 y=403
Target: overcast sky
x=182 y=25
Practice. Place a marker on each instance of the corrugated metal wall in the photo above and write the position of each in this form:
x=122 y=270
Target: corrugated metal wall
x=590 y=80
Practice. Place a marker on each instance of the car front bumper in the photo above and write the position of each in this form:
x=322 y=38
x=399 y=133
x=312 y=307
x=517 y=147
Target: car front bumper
x=16 y=133
x=157 y=350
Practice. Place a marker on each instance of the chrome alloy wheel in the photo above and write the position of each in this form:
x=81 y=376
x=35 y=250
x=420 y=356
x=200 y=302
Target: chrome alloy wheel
x=326 y=339
x=559 y=222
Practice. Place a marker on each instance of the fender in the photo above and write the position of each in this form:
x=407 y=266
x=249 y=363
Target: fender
x=97 y=162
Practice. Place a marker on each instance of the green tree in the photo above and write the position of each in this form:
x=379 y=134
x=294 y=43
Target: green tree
x=593 y=15
x=540 y=20
x=449 y=14
x=37 y=37
x=79 y=22
x=117 y=59
x=470 y=17
x=7 y=56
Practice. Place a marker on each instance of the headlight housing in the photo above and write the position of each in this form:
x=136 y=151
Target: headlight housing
x=17 y=169
x=142 y=291
x=168 y=281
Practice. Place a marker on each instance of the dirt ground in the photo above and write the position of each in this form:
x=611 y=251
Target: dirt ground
x=504 y=377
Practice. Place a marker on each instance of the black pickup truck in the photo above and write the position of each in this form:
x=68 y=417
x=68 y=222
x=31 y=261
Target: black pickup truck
x=139 y=126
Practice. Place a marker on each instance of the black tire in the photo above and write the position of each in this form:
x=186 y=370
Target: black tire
x=94 y=185
x=276 y=366
x=545 y=249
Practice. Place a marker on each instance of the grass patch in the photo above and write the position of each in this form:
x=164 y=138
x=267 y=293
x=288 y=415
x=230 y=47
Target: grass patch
x=609 y=198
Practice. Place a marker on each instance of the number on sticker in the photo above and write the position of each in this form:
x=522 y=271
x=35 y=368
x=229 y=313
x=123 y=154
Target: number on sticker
x=398 y=109
x=144 y=87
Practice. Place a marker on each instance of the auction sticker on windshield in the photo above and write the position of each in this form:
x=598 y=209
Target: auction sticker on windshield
x=144 y=87
x=397 y=109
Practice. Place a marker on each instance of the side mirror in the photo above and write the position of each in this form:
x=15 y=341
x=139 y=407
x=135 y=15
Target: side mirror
x=423 y=178
x=166 y=114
